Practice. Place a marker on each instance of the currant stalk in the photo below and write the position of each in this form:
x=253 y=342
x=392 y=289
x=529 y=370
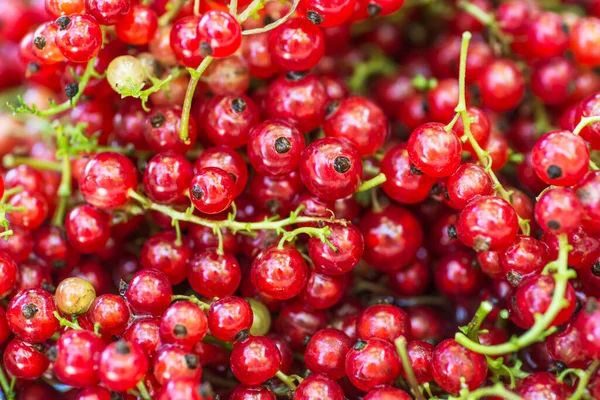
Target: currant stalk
x=64 y=189
x=193 y=299
x=585 y=121
x=141 y=387
x=410 y=373
x=496 y=390
x=172 y=9
x=6 y=387
x=482 y=155
x=488 y=20
x=540 y=329
x=65 y=322
x=584 y=378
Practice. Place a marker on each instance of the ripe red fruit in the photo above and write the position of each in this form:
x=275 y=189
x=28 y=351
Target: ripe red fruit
x=219 y=33
x=451 y=362
x=279 y=273
x=297 y=44
x=383 y=321
x=434 y=151
x=254 y=360
x=326 y=353
x=79 y=37
x=88 y=229
x=24 y=361
x=560 y=158
x=228 y=317
x=122 y=366
x=30 y=315
x=107 y=12
x=183 y=323
x=77 y=358
x=212 y=190
x=372 y=363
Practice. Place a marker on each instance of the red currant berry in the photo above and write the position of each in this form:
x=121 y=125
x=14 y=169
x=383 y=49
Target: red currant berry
x=44 y=47
x=542 y=384
x=149 y=292
x=560 y=158
x=228 y=317
x=184 y=324
x=107 y=12
x=144 y=332
x=164 y=253
x=228 y=119
x=501 y=85
x=167 y=177
x=184 y=41
x=79 y=37
x=111 y=313
x=349 y=245
x=326 y=13
x=383 y=321
x=56 y=8
x=24 y=361
x=434 y=151
x=162 y=130
x=279 y=273
x=252 y=393
x=386 y=393
x=547 y=36
x=372 y=363
x=122 y=366
x=88 y=229
x=558 y=211
x=138 y=26
x=584 y=37
x=318 y=386
x=469 y=181
x=30 y=209
x=254 y=360
x=455 y=276
x=30 y=315
x=297 y=44
x=452 y=363
x=219 y=33
x=326 y=353
x=525 y=256
x=212 y=274
x=9 y=273
x=323 y=291
x=212 y=190
x=77 y=357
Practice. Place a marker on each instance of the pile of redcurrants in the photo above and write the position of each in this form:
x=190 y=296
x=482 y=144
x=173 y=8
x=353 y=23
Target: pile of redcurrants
x=300 y=199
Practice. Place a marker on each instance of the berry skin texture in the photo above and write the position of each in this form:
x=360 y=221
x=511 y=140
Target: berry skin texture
x=162 y=252
x=326 y=13
x=212 y=190
x=107 y=179
x=434 y=151
x=558 y=211
x=184 y=41
x=586 y=191
x=107 y=12
x=229 y=316
x=167 y=177
x=455 y=276
x=219 y=33
x=122 y=366
x=30 y=315
x=319 y=387
x=501 y=85
x=468 y=182
x=386 y=393
x=560 y=158
x=228 y=160
x=173 y=362
x=252 y=393
x=228 y=119
x=584 y=40
x=212 y=274
x=331 y=168
x=88 y=229
x=111 y=313
x=279 y=273
x=359 y=120
x=149 y=292
x=144 y=332
x=587 y=322
x=348 y=241
x=138 y=27
x=542 y=385
x=297 y=45
x=79 y=38
x=326 y=353
x=451 y=362
x=487 y=223
x=74 y=296
x=8 y=273
x=44 y=47
x=22 y=360
x=383 y=321
x=77 y=359
x=372 y=363
x=183 y=323
x=181 y=389
x=255 y=360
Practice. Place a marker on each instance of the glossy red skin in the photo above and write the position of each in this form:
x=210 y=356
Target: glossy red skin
x=480 y=128
x=93 y=393
x=214 y=275
x=413 y=280
x=331 y=13
x=122 y=372
x=138 y=26
x=402 y=185
x=566 y=346
x=23 y=361
x=78 y=355
x=564 y=150
x=221 y=32
x=312 y=206
x=223 y=125
x=420 y=354
x=262 y=151
x=359 y=120
x=111 y=312
x=513 y=16
x=552 y=81
x=434 y=151
x=586 y=191
x=49 y=53
x=585 y=248
x=386 y=393
x=280 y=274
x=229 y=316
x=525 y=256
x=297 y=321
x=185 y=42
x=558 y=211
x=149 y=292
x=376 y=364
x=318 y=172
x=534 y=296
x=187 y=315
x=487 y=223
x=455 y=276
x=442 y=100
x=322 y=291
x=42 y=325
x=384 y=322
x=300 y=101
x=254 y=360
x=318 y=387
x=227 y=159
x=589 y=107
x=587 y=322
x=469 y=181
x=161 y=252
x=24 y=176
x=165 y=136
x=348 y=241
x=106 y=180
x=35 y=210
x=180 y=389
x=392 y=238
x=546 y=37
x=255 y=49
x=542 y=385
x=81 y=40
x=326 y=353
x=275 y=195
x=167 y=177
x=451 y=362
x=216 y=190
x=242 y=392
x=87 y=228
x=584 y=38
x=498 y=149
x=204 y=238
x=285 y=350
x=51 y=246
x=144 y=332
x=297 y=44
x=501 y=85
x=9 y=273
x=107 y=12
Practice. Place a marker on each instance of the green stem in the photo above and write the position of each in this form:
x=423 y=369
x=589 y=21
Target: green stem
x=496 y=390
x=10 y=161
x=410 y=373
x=141 y=387
x=585 y=121
x=371 y=183
x=213 y=340
x=66 y=322
x=243 y=17
x=593 y=166
x=189 y=97
x=64 y=191
x=173 y=9
x=473 y=328
x=289 y=382
x=320 y=233
x=378 y=64
x=193 y=299
x=482 y=155
x=6 y=387
x=584 y=378
x=233 y=7
x=232 y=225
x=538 y=331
